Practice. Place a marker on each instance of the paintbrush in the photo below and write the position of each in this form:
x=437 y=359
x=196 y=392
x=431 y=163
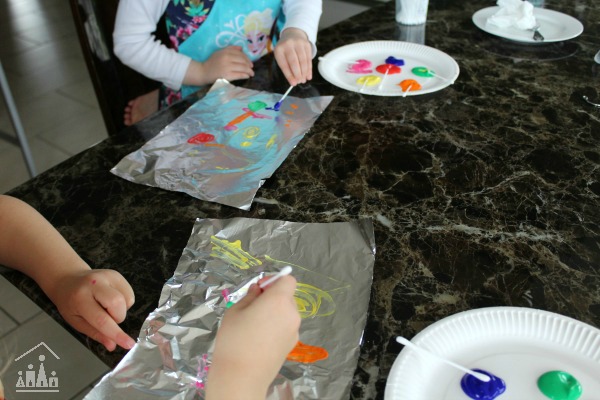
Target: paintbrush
x=283 y=272
x=278 y=104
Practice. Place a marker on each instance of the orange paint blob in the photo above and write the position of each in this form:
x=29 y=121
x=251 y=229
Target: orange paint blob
x=409 y=85
x=307 y=354
x=294 y=106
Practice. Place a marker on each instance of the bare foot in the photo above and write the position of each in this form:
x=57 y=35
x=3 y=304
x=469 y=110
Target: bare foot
x=141 y=107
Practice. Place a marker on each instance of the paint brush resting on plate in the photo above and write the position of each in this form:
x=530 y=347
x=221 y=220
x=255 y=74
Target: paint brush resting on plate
x=408 y=343
x=278 y=104
x=283 y=272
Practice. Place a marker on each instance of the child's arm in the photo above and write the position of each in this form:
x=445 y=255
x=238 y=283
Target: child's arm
x=296 y=48
x=92 y=301
x=136 y=46
x=229 y=63
x=253 y=341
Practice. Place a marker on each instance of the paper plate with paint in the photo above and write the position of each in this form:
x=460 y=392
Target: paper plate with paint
x=524 y=347
x=389 y=68
x=554 y=26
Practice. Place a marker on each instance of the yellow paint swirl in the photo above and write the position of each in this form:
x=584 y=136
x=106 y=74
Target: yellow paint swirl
x=312 y=301
x=232 y=253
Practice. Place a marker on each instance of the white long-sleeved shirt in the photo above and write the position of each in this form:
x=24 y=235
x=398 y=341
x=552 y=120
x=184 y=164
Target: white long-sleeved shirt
x=136 y=46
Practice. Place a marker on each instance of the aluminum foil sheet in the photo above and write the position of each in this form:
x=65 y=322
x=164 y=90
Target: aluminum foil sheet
x=333 y=264
x=224 y=146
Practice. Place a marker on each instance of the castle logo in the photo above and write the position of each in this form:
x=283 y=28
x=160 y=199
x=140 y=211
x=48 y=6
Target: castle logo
x=39 y=381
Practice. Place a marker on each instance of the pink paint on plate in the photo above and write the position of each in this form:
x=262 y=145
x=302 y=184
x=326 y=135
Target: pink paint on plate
x=360 y=67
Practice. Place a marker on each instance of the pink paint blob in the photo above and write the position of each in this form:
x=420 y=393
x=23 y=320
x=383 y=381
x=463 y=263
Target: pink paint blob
x=94 y=282
x=225 y=293
x=360 y=67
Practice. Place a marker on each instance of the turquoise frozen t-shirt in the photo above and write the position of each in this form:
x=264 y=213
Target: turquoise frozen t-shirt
x=200 y=28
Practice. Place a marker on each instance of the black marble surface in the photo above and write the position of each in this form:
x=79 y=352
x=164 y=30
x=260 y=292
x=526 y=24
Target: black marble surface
x=483 y=194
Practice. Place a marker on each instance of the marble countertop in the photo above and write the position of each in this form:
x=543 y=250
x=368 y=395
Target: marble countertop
x=483 y=194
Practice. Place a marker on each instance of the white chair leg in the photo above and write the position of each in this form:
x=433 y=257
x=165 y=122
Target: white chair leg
x=16 y=122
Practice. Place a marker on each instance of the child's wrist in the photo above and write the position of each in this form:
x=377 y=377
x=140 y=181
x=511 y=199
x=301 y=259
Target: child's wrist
x=53 y=282
x=297 y=32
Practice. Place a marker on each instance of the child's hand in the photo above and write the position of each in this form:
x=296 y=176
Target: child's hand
x=253 y=341
x=294 y=56
x=229 y=63
x=94 y=302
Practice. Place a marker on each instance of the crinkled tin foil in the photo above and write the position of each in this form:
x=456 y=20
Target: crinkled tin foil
x=333 y=264
x=224 y=146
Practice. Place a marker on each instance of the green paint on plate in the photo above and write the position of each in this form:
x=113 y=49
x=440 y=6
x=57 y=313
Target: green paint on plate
x=559 y=385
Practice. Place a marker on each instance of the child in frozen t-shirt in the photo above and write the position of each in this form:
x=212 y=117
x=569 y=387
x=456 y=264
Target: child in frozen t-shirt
x=212 y=39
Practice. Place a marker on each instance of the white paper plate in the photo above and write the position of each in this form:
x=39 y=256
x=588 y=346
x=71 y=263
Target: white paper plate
x=516 y=344
x=554 y=26
x=334 y=64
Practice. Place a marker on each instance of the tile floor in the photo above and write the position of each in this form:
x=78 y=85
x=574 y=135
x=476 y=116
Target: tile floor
x=48 y=78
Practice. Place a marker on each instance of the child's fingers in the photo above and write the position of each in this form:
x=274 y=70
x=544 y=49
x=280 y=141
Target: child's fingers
x=253 y=293
x=117 y=281
x=287 y=72
x=236 y=54
x=307 y=60
x=304 y=64
x=295 y=67
x=84 y=327
x=286 y=285
x=112 y=300
x=99 y=319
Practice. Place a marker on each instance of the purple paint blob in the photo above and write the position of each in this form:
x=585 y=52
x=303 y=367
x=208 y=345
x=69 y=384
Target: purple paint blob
x=394 y=61
x=479 y=390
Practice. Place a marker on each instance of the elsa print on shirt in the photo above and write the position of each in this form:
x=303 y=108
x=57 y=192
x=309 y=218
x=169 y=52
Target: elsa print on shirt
x=250 y=31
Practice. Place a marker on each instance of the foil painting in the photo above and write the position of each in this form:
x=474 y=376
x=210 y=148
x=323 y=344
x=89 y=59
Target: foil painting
x=225 y=146
x=333 y=264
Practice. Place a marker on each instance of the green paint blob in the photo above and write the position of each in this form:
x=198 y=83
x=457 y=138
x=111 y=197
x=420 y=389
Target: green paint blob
x=256 y=105
x=229 y=304
x=422 y=72
x=559 y=385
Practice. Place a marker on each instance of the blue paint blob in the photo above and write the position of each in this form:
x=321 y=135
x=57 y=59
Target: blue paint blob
x=394 y=61
x=479 y=390
x=275 y=107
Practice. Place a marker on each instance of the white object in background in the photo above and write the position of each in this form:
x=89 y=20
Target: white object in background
x=414 y=55
x=411 y=33
x=597 y=57
x=518 y=344
x=555 y=26
x=513 y=13
x=411 y=12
